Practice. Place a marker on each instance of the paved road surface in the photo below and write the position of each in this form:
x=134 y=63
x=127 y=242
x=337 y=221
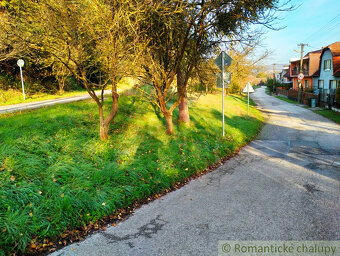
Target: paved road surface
x=44 y=103
x=283 y=186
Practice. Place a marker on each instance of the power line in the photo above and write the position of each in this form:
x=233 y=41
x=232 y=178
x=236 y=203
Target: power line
x=323 y=28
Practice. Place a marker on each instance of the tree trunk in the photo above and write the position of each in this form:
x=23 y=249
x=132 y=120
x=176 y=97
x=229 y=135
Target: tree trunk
x=184 y=111
x=169 y=123
x=103 y=126
x=61 y=84
x=184 y=116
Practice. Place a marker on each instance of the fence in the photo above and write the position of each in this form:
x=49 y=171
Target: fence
x=282 y=92
x=293 y=95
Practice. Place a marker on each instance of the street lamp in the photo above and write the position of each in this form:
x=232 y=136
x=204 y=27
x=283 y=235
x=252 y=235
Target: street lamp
x=21 y=63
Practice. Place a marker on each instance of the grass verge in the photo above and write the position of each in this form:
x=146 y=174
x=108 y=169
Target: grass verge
x=13 y=96
x=56 y=176
x=330 y=114
x=286 y=100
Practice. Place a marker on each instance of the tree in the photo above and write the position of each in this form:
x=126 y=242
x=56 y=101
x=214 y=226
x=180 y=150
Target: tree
x=162 y=31
x=93 y=40
x=244 y=63
x=210 y=23
x=203 y=78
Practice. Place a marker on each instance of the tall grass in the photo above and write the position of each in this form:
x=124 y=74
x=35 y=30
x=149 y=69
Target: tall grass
x=55 y=174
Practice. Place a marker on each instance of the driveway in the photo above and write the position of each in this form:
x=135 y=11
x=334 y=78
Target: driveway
x=45 y=103
x=283 y=186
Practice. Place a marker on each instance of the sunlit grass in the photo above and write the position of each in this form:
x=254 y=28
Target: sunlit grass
x=12 y=96
x=55 y=174
x=286 y=99
x=330 y=114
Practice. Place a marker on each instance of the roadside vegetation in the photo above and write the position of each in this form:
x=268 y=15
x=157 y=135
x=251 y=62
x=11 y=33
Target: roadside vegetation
x=55 y=175
x=15 y=96
x=286 y=99
x=330 y=114
x=69 y=165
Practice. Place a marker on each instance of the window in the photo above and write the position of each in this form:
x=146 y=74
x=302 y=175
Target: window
x=327 y=65
x=332 y=84
x=320 y=84
x=306 y=83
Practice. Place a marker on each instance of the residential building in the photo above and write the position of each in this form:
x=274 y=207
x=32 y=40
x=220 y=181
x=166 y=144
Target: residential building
x=327 y=77
x=285 y=75
x=310 y=65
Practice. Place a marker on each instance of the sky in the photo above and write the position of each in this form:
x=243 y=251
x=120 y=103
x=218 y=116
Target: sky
x=313 y=22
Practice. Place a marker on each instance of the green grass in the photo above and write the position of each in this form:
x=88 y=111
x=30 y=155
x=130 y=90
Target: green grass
x=330 y=114
x=55 y=174
x=11 y=96
x=268 y=91
x=286 y=99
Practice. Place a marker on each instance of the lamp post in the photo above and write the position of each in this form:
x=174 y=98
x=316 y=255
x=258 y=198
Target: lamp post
x=21 y=63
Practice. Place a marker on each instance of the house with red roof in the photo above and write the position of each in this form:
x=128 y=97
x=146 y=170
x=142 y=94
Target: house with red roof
x=327 y=77
x=309 y=67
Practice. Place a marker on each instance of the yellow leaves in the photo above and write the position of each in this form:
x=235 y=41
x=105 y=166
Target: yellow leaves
x=62 y=195
x=30 y=214
x=12 y=178
x=40 y=192
x=103 y=204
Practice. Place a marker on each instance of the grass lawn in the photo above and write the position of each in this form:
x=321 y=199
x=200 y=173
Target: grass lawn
x=11 y=96
x=330 y=114
x=56 y=175
x=287 y=100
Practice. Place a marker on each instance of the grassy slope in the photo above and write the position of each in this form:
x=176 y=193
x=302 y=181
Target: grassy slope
x=286 y=99
x=330 y=114
x=12 y=96
x=55 y=173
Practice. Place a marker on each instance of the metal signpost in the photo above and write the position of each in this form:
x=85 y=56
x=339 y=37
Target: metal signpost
x=226 y=77
x=221 y=61
x=248 y=89
x=21 y=63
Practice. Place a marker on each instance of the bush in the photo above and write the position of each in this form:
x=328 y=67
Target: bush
x=337 y=96
x=272 y=84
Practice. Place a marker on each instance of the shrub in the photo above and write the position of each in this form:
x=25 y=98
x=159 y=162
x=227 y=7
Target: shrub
x=337 y=96
x=272 y=84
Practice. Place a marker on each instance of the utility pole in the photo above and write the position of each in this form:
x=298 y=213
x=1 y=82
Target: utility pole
x=274 y=71
x=302 y=45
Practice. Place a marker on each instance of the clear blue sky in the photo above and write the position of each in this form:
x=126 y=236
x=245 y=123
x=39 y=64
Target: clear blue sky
x=316 y=22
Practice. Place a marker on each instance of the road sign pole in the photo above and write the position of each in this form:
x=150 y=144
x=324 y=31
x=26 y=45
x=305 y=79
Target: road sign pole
x=248 y=102
x=22 y=83
x=223 y=93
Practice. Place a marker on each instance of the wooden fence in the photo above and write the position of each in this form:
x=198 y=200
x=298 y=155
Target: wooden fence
x=293 y=95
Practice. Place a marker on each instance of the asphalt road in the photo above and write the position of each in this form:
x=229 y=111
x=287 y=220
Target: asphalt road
x=45 y=103
x=283 y=186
